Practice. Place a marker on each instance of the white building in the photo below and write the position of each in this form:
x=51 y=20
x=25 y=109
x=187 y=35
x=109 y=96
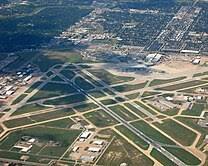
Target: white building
x=94 y=149
x=98 y=142
x=85 y=135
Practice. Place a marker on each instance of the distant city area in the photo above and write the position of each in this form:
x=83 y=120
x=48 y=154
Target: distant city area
x=103 y=83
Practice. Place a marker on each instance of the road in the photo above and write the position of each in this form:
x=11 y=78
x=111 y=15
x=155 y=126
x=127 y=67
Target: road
x=126 y=124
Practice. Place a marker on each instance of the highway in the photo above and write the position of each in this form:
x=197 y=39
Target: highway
x=127 y=125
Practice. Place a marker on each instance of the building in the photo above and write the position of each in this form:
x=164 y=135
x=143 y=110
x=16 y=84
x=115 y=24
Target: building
x=75 y=149
x=98 y=142
x=154 y=58
x=140 y=67
x=87 y=158
x=196 y=61
x=24 y=147
x=85 y=135
x=94 y=149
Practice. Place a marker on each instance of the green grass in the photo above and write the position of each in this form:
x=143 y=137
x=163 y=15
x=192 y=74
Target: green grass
x=52 y=115
x=19 y=99
x=161 y=158
x=120 y=151
x=50 y=73
x=63 y=123
x=123 y=112
x=34 y=86
x=182 y=85
x=133 y=96
x=184 y=156
x=29 y=108
x=85 y=107
x=100 y=118
x=70 y=67
x=145 y=107
x=165 y=81
x=18 y=122
x=108 y=77
x=67 y=100
x=44 y=63
x=120 y=99
x=152 y=133
x=108 y=101
x=170 y=112
x=44 y=134
x=32 y=157
x=52 y=90
x=134 y=109
x=90 y=79
x=196 y=110
x=129 y=134
x=1 y=114
x=83 y=84
x=97 y=94
x=57 y=78
x=109 y=92
x=149 y=93
x=129 y=87
x=177 y=132
x=68 y=74
x=200 y=74
x=193 y=124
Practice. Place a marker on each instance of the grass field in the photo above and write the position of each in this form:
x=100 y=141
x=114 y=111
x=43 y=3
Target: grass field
x=52 y=90
x=68 y=74
x=44 y=63
x=120 y=151
x=149 y=93
x=184 y=156
x=169 y=112
x=152 y=133
x=52 y=115
x=19 y=99
x=32 y=158
x=123 y=112
x=165 y=81
x=57 y=78
x=196 y=110
x=29 y=108
x=18 y=122
x=177 y=132
x=133 y=96
x=90 y=79
x=97 y=94
x=108 y=77
x=161 y=158
x=200 y=74
x=85 y=107
x=129 y=87
x=100 y=118
x=193 y=124
x=34 y=86
x=108 y=91
x=137 y=140
x=83 y=84
x=138 y=112
x=108 y=101
x=63 y=123
x=50 y=73
x=146 y=107
x=63 y=137
x=67 y=100
x=182 y=85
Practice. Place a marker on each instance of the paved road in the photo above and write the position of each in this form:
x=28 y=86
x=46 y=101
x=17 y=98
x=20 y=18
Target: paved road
x=126 y=124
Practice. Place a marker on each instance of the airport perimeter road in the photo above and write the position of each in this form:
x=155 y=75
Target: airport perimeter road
x=126 y=124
